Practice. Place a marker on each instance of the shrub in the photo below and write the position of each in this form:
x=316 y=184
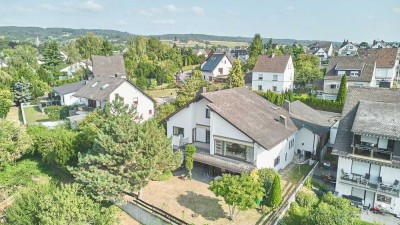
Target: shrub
x=58 y=112
x=306 y=198
x=164 y=176
x=275 y=198
x=308 y=182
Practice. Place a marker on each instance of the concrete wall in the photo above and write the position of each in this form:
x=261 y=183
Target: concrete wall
x=141 y=215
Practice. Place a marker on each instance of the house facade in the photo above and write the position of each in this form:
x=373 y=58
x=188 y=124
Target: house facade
x=275 y=73
x=217 y=65
x=101 y=90
x=368 y=145
x=234 y=133
x=66 y=92
x=322 y=49
x=348 y=48
x=379 y=44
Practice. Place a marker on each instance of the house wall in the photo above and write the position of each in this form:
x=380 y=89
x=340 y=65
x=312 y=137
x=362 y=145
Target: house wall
x=330 y=94
x=226 y=66
x=306 y=140
x=68 y=99
x=348 y=49
x=265 y=158
x=145 y=106
x=183 y=119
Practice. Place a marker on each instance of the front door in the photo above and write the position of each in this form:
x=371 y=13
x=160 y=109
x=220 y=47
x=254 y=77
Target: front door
x=208 y=136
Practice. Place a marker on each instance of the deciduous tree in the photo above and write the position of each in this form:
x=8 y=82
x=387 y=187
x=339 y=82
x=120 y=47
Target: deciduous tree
x=236 y=76
x=239 y=192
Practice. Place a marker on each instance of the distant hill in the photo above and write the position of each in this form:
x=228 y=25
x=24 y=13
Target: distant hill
x=65 y=34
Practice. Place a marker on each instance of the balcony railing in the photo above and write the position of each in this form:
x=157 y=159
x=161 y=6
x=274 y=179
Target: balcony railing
x=372 y=152
x=359 y=181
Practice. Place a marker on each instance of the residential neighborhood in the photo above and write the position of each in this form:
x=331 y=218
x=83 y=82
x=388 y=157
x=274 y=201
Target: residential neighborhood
x=177 y=113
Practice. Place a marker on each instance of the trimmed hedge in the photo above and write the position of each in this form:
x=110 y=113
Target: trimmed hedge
x=57 y=112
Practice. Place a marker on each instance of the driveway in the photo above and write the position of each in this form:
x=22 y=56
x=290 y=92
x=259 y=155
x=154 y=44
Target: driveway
x=387 y=219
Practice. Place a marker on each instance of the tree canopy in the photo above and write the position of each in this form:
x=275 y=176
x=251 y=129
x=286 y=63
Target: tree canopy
x=306 y=68
x=52 y=56
x=236 y=76
x=239 y=192
x=256 y=47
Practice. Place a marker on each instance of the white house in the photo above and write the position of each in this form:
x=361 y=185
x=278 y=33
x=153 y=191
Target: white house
x=71 y=69
x=348 y=48
x=241 y=54
x=101 y=90
x=199 y=52
x=275 y=73
x=66 y=92
x=218 y=65
x=322 y=49
x=368 y=146
x=379 y=44
x=373 y=68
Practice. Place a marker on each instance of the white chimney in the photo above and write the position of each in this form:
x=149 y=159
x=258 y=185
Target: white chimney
x=282 y=120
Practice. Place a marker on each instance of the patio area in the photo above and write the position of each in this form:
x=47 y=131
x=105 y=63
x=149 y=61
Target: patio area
x=191 y=201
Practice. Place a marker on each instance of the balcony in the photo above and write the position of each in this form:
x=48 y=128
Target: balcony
x=372 y=152
x=363 y=182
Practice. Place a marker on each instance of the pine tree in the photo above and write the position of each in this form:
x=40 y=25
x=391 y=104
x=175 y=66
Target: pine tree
x=341 y=97
x=22 y=91
x=235 y=77
x=190 y=150
x=124 y=155
x=257 y=47
x=52 y=56
x=275 y=198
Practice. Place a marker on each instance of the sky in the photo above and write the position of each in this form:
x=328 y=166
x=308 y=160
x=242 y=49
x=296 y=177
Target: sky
x=356 y=20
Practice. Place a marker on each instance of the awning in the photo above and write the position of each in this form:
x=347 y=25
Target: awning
x=223 y=163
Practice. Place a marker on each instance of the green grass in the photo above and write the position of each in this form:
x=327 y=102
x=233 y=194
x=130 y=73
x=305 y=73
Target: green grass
x=360 y=222
x=34 y=115
x=185 y=68
x=162 y=93
x=295 y=176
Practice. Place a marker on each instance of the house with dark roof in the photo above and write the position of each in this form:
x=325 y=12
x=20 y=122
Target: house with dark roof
x=108 y=66
x=236 y=130
x=322 y=49
x=241 y=54
x=217 y=65
x=370 y=68
x=380 y=44
x=66 y=93
x=102 y=89
x=368 y=146
x=273 y=72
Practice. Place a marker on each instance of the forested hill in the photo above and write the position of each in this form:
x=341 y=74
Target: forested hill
x=64 y=34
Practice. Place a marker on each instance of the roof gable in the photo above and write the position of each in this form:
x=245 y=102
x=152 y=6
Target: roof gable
x=69 y=88
x=213 y=61
x=271 y=64
x=108 y=65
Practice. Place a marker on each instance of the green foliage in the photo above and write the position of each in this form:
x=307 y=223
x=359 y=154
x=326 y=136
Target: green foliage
x=322 y=104
x=89 y=44
x=256 y=47
x=22 y=56
x=66 y=81
x=190 y=88
x=306 y=198
x=165 y=176
x=57 y=146
x=266 y=178
x=239 y=192
x=22 y=91
x=275 y=198
x=51 y=55
x=4 y=107
x=49 y=204
x=14 y=141
x=57 y=112
x=106 y=48
x=72 y=51
x=236 y=76
x=5 y=79
x=164 y=110
x=341 y=96
x=190 y=150
x=307 y=69
x=308 y=182
x=123 y=155
x=39 y=88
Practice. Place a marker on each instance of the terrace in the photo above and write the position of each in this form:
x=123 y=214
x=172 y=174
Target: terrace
x=378 y=148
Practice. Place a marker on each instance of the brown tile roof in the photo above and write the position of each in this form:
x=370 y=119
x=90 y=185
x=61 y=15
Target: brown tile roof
x=277 y=64
x=364 y=63
x=108 y=65
x=252 y=115
x=386 y=57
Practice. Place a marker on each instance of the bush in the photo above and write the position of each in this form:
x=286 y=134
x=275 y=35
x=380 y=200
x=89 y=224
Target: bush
x=275 y=198
x=308 y=182
x=306 y=198
x=58 y=112
x=321 y=104
x=165 y=176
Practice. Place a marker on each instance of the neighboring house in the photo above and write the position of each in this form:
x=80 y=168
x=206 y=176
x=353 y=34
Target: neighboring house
x=218 y=65
x=313 y=128
x=241 y=54
x=348 y=48
x=379 y=44
x=102 y=89
x=368 y=146
x=71 y=69
x=322 y=49
x=108 y=66
x=199 y=52
x=275 y=73
x=66 y=92
x=234 y=130
x=375 y=68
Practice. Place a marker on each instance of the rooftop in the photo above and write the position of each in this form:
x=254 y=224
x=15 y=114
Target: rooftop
x=69 y=88
x=272 y=64
x=108 y=65
x=365 y=64
x=99 y=88
x=214 y=60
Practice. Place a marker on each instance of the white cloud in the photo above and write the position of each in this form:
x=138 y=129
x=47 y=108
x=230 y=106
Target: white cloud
x=197 y=10
x=149 y=12
x=164 y=22
x=172 y=8
x=90 y=5
x=396 y=9
x=289 y=8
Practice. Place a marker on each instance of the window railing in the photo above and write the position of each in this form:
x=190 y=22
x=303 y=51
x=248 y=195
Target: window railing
x=372 y=152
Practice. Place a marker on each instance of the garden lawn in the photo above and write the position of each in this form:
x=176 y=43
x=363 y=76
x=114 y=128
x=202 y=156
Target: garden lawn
x=34 y=115
x=14 y=114
x=295 y=176
x=191 y=201
x=162 y=93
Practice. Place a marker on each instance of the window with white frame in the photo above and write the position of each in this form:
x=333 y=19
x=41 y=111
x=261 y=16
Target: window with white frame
x=341 y=72
x=260 y=76
x=333 y=86
x=275 y=78
x=274 y=88
x=178 y=131
x=260 y=87
x=354 y=73
x=277 y=161
x=207 y=113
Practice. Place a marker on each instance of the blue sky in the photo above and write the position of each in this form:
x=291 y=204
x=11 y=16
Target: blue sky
x=356 y=20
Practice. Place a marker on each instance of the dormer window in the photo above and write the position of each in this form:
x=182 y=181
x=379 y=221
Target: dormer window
x=333 y=86
x=354 y=73
x=341 y=72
